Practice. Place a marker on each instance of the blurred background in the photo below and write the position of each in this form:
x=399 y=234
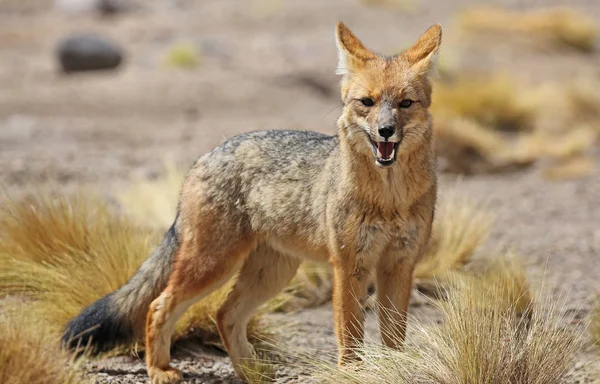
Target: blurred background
x=100 y=92
x=119 y=97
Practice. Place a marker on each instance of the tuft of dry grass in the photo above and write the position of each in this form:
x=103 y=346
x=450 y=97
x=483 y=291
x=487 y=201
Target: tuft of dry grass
x=68 y=250
x=503 y=276
x=571 y=143
x=65 y=252
x=492 y=332
x=564 y=27
x=183 y=55
x=572 y=168
x=465 y=146
x=495 y=103
x=30 y=352
x=583 y=99
x=491 y=125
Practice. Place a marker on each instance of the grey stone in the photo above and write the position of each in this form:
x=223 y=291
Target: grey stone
x=88 y=52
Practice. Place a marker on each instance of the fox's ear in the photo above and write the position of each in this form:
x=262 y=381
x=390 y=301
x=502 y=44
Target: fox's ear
x=423 y=54
x=352 y=54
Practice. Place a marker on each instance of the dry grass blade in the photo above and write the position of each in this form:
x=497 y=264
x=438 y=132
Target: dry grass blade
x=66 y=252
x=30 y=352
x=257 y=371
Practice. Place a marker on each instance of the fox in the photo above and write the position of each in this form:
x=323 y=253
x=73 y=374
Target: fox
x=260 y=203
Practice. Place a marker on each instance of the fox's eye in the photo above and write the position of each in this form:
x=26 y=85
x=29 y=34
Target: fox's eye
x=405 y=103
x=367 y=102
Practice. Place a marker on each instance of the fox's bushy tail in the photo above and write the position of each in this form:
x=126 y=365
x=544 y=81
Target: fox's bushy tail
x=119 y=317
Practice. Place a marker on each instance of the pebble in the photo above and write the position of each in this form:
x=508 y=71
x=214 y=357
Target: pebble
x=88 y=52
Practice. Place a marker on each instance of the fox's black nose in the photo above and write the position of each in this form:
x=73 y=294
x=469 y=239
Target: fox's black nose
x=386 y=131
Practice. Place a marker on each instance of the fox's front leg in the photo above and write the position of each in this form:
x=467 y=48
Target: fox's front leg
x=349 y=294
x=394 y=274
x=394 y=285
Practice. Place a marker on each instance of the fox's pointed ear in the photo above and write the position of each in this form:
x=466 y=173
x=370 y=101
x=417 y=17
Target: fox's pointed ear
x=423 y=54
x=352 y=54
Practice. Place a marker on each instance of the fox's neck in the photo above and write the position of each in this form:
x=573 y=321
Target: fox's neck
x=393 y=187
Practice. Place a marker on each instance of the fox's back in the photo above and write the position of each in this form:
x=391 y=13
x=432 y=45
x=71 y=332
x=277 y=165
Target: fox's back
x=273 y=182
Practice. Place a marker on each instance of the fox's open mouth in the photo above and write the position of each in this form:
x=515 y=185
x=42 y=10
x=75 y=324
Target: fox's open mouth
x=385 y=152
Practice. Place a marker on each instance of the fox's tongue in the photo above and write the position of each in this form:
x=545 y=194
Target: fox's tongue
x=385 y=149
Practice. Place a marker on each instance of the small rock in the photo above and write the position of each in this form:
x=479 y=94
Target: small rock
x=113 y=7
x=87 y=52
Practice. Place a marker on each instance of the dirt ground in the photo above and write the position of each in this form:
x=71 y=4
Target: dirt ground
x=265 y=64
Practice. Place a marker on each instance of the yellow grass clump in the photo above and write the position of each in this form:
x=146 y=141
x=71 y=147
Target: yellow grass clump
x=573 y=168
x=465 y=146
x=583 y=97
x=64 y=252
x=484 y=338
x=495 y=103
x=30 y=352
x=486 y=125
x=183 y=55
x=564 y=27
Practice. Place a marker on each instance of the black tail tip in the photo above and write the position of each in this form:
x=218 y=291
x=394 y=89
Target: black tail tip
x=98 y=328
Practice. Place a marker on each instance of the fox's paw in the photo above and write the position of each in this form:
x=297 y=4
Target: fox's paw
x=169 y=375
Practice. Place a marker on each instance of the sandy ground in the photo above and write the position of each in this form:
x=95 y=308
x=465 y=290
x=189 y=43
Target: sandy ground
x=266 y=64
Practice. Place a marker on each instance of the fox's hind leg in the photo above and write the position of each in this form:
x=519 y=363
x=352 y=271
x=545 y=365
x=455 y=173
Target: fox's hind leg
x=264 y=274
x=201 y=266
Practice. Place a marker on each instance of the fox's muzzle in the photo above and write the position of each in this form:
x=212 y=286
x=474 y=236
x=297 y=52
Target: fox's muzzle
x=387 y=124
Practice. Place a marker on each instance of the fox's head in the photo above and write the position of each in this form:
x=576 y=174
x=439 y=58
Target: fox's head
x=386 y=99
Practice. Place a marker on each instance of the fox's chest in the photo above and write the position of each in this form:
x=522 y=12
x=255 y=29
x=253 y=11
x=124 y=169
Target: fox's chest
x=377 y=235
